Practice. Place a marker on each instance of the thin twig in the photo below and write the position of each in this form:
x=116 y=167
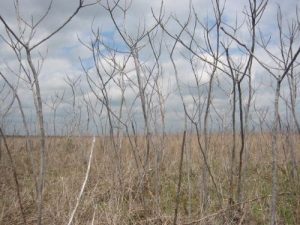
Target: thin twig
x=180 y=178
x=15 y=176
x=83 y=184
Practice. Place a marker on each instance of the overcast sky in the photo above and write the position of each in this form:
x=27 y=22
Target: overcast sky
x=63 y=51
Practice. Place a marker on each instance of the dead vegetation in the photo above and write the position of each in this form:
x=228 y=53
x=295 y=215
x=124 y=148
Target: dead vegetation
x=105 y=201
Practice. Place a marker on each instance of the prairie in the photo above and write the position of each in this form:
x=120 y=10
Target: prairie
x=120 y=190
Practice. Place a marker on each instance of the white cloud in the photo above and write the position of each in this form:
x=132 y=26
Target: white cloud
x=63 y=49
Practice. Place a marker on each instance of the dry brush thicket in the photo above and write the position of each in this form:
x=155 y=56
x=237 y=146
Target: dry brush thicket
x=230 y=156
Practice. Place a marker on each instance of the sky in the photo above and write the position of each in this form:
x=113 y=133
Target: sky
x=66 y=58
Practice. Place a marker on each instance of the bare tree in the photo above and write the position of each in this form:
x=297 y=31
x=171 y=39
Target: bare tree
x=28 y=44
x=283 y=65
x=256 y=10
x=190 y=116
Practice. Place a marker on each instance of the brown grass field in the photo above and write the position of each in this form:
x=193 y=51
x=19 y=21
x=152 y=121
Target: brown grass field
x=115 y=194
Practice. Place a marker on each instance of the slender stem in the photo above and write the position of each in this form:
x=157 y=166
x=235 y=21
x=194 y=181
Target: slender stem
x=42 y=134
x=179 y=180
x=242 y=137
x=15 y=175
x=84 y=182
x=274 y=154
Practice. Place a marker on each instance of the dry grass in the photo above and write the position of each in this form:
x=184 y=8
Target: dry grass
x=117 y=196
